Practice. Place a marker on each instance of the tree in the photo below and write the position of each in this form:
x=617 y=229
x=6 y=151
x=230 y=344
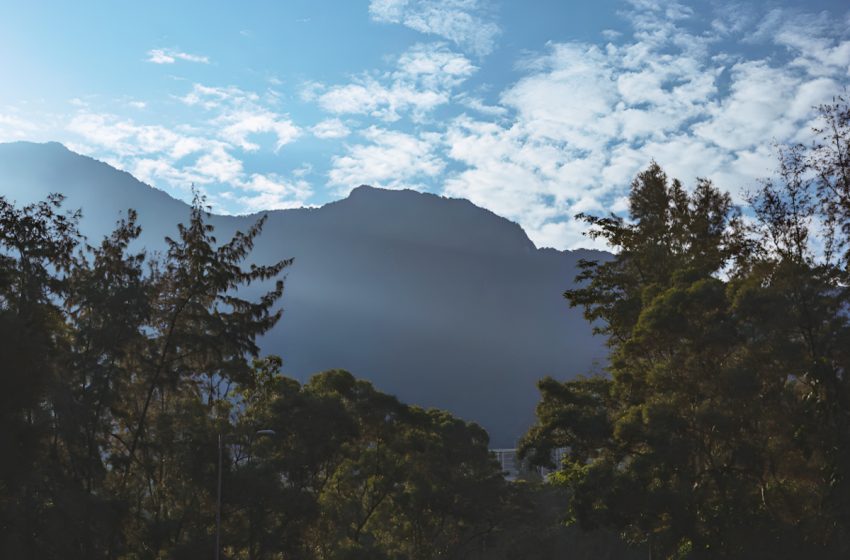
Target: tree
x=725 y=405
x=121 y=371
x=199 y=340
x=37 y=246
x=114 y=376
x=369 y=477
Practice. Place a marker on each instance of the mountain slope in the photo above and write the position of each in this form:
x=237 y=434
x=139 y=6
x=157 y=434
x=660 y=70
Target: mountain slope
x=434 y=299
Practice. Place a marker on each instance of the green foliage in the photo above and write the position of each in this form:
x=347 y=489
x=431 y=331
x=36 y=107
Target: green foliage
x=367 y=476
x=721 y=429
x=121 y=372
x=117 y=376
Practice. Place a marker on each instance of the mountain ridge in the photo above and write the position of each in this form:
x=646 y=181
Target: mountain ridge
x=432 y=298
x=361 y=191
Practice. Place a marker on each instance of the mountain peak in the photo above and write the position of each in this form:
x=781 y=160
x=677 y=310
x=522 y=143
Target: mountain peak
x=422 y=217
x=368 y=191
x=432 y=298
x=362 y=190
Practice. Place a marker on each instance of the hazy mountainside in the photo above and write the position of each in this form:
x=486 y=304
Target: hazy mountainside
x=433 y=299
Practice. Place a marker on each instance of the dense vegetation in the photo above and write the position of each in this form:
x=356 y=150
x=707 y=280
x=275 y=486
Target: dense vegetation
x=721 y=428
x=120 y=372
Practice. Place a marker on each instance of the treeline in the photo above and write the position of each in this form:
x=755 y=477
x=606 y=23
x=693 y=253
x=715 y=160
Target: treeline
x=120 y=372
x=721 y=428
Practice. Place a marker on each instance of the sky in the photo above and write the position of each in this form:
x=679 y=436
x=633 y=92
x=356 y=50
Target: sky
x=534 y=109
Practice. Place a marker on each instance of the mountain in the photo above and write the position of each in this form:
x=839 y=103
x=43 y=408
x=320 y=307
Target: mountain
x=433 y=299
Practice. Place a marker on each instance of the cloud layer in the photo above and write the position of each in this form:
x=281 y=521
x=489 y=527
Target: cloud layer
x=212 y=155
x=705 y=91
x=569 y=135
x=170 y=56
x=463 y=22
x=423 y=80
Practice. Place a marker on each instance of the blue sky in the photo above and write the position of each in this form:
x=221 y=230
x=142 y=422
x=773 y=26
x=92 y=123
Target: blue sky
x=535 y=110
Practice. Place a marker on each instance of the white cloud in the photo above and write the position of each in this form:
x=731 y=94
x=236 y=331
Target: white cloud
x=218 y=165
x=386 y=103
x=567 y=100
x=814 y=40
x=153 y=153
x=754 y=111
x=240 y=115
x=391 y=159
x=433 y=66
x=527 y=180
x=14 y=127
x=170 y=56
x=567 y=135
x=206 y=155
x=273 y=192
x=478 y=105
x=330 y=128
x=463 y=22
x=125 y=138
x=210 y=97
x=423 y=80
x=238 y=125
x=158 y=170
x=734 y=18
x=586 y=119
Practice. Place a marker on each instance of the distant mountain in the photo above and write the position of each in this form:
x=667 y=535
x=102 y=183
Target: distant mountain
x=433 y=299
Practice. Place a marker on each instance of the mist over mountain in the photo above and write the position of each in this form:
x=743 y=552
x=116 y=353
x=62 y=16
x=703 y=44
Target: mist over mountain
x=433 y=299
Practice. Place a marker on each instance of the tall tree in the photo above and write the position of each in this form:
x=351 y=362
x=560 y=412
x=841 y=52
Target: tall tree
x=37 y=252
x=687 y=445
x=200 y=339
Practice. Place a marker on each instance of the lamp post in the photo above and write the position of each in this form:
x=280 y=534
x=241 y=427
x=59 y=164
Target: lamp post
x=218 y=494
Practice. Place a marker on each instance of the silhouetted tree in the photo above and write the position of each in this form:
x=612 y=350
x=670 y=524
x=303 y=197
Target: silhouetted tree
x=120 y=372
x=722 y=427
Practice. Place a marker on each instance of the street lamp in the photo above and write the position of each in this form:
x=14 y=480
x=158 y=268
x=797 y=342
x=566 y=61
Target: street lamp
x=266 y=432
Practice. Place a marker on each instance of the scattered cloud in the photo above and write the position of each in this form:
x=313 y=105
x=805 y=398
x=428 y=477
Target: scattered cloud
x=211 y=156
x=811 y=39
x=704 y=89
x=210 y=97
x=423 y=80
x=240 y=114
x=478 y=105
x=16 y=127
x=371 y=97
x=463 y=22
x=126 y=138
x=272 y=192
x=170 y=56
x=433 y=66
x=389 y=159
x=330 y=128
x=586 y=118
x=238 y=125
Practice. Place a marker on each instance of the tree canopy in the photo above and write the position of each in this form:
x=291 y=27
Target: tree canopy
x=720 y=427
x=121 y=372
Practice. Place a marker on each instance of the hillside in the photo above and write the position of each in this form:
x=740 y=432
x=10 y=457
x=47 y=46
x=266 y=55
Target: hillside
x=433 y=299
